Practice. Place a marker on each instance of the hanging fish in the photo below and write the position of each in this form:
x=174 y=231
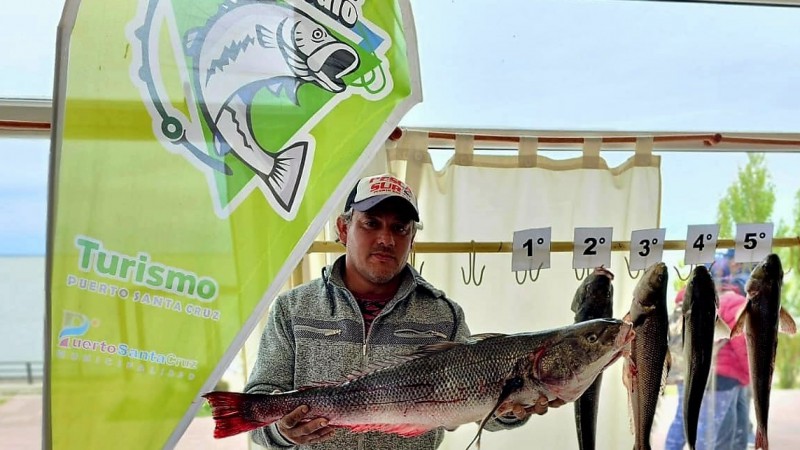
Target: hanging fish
x=445 y=384
x=645 y=370
x=701 y=328
x=593 y=300
x=760 y=320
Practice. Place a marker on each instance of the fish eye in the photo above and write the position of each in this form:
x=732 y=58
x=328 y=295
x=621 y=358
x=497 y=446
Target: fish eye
x=592 y=338
x=318 y=34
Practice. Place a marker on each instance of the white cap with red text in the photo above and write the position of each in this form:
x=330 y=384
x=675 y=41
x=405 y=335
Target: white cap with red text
x=369 y=191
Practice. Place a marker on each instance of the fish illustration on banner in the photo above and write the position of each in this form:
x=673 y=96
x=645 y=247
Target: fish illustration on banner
x=198 y=148
x=261 y=75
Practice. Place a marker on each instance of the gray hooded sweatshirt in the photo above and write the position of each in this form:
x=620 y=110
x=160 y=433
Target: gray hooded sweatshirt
x=315 y=332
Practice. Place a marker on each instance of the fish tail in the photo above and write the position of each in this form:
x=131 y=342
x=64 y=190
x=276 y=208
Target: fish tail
x=287 y=174
x=762 y=443
x=230 y=411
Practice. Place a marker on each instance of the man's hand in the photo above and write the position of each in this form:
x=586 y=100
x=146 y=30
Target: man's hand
x=295 y=428
x=521 y=411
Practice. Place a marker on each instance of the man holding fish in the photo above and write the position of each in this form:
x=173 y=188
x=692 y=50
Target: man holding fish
x=369 y=306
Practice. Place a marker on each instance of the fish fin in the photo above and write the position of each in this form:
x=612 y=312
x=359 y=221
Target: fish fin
x=384 y=363
x=722 y=332
x=284 y=179
x=683 y=331
x=511 y=385
x=762 y=443
x=785 y=322
x=430 y=349
x=220 y=145
x=265 y=36
x=628 y=375
x=665 y=372
x=192 y=41
x=738 y=327
x=404 y=430
x=387 y=362
x=284 y=85
x=627 y=317
x=475 y=338
x=231 y=413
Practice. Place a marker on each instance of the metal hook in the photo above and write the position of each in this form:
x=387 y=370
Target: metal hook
x=582 y=276
x=528 y=274
x=472 y=278
x=791 y=262
x=679 y=274
x=414 y=263
x=524 y=276
x=628 y=264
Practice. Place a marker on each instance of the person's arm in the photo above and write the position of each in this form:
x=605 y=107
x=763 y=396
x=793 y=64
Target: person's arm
x=273 y=370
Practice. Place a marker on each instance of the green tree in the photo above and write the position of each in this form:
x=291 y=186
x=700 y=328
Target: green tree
x=750 y=199
x=787 y=361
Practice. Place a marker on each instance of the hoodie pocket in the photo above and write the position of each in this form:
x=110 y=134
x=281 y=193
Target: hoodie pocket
x=318 y=331
x=410 y=333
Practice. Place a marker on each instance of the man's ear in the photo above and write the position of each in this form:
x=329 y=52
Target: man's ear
x=341 y=228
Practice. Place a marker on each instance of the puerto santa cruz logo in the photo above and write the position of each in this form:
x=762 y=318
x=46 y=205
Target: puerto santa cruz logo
x=237 y=86
x=73 y=324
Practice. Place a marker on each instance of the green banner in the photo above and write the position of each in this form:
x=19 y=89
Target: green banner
x=198 y=148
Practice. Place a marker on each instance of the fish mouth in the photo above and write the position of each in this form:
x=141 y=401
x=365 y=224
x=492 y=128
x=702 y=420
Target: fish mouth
x=604 y=272
x=331 y=62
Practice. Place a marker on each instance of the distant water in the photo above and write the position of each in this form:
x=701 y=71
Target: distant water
x=22 y=308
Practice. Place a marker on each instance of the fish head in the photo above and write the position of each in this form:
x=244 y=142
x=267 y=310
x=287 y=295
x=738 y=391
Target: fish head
x=653 y=281
x=594 y=288
x=699 y=285
x=766 y=277
x=569 y=364
x=650 y=293
x=599 y=283
x=315 y=55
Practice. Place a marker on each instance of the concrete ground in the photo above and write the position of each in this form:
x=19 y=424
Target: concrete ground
x=21 y=422
x=784 y=418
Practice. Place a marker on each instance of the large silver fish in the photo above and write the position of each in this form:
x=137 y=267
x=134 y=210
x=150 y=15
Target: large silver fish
x=760 y=320
x=701 y=327
x=646 y=368
x=445 y=384
x=249 y=46
x=594 y=299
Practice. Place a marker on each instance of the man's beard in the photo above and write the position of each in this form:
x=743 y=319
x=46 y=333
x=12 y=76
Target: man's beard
x=381 y=277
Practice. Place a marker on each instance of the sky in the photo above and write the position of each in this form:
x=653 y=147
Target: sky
x=535 y=65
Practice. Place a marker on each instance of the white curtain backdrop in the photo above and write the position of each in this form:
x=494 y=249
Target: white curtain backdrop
x=478 y=197
x=487 y=198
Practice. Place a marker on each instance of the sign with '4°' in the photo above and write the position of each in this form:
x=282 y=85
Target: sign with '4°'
x=701 y=243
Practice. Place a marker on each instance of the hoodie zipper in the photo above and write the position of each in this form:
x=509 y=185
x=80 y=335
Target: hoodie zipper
x=365 y=335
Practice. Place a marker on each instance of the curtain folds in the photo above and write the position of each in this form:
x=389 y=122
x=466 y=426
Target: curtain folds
x=486 y=196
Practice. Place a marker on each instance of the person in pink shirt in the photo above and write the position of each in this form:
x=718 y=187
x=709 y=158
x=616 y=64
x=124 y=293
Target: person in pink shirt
x=728 y=391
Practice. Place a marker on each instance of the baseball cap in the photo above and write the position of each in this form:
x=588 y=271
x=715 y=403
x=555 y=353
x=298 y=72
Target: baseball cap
x=371 y=190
